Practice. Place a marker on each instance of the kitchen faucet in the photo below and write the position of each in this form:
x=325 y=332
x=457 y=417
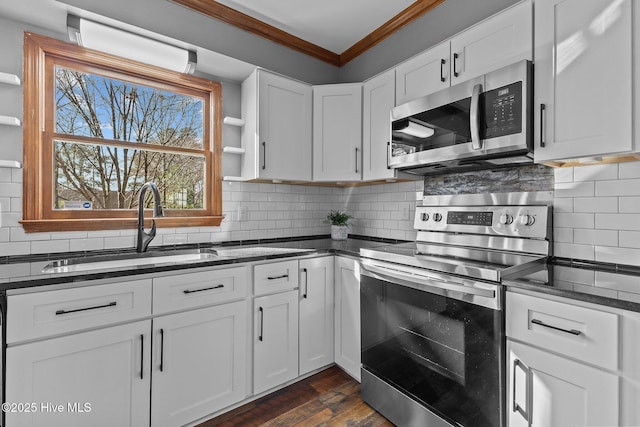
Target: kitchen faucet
x=145 y=238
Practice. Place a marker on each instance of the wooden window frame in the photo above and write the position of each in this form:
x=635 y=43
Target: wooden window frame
x=40 y=55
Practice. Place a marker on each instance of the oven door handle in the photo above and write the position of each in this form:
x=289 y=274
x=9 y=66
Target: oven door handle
x=412 y=277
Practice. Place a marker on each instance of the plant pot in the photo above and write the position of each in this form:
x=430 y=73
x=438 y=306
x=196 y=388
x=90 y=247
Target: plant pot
x=339 y=232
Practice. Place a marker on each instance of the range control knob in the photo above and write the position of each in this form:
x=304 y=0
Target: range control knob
x=437 y=217
x=425 y=216
x=506 y=219
x=527 y=220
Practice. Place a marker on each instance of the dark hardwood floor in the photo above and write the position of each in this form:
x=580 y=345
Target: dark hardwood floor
x=329 y=398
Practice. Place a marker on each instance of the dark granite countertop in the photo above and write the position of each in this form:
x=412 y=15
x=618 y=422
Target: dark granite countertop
x=27 y=271
x=611 y=285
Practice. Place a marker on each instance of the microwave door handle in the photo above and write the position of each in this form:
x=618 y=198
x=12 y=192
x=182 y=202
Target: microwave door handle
x=476 y=142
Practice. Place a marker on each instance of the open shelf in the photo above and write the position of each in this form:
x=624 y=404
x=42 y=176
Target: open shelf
x=10 y=79
x=232 y=121
x=10 y=164
x=233 y=178
x=233 y=150
x=9 y=121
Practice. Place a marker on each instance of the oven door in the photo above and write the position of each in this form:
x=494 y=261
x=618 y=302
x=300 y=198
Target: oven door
x=437 y=340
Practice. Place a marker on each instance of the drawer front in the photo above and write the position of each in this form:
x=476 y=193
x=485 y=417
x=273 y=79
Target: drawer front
x=582 y=333
x=191 y=290
x=275 y=277
x=43 y=314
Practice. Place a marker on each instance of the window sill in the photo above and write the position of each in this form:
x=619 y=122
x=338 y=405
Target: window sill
x=52 y=225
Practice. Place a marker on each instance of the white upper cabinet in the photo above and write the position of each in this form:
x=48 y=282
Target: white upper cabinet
x=277 y=131
x=423 y=74
x=494 y=43
x=583 y=79
x=378 y=98
x=337 y=132
x=501 y=40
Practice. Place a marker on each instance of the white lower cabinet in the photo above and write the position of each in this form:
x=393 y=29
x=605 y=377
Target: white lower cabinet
x=554 y=391
x=316 y=313
x=97 y=378
x=275 y=343
x=199 y=363
x=347 y=316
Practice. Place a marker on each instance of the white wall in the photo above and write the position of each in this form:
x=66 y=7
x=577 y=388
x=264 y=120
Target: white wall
x=597 y=213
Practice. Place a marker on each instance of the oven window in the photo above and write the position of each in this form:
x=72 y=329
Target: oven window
x=444 y=353
x=441 y=127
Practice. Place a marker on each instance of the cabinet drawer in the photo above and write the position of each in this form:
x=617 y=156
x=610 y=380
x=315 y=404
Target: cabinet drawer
x=275 y=277
x=581 y=333
x=42 y=314
x=191 y=290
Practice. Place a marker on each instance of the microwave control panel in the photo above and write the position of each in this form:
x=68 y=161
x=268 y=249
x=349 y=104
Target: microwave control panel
x=503 y=111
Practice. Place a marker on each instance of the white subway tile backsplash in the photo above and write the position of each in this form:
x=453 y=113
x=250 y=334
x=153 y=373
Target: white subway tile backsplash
x=617 y=255
x=595 y=237
x=629 y=170
x=563 y=205
x=563 y=235
x=622 y=187
x=617 y=222
x=574 y=189
x=570 y=250
x=49 y=246
x=630 y=239
x=77 y=245
x=595 y=173
x=595 y=204
x=574 y=220
x=629 y=204
x=563 y=174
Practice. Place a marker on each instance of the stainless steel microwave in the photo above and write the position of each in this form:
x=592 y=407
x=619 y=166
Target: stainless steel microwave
x=480 y=124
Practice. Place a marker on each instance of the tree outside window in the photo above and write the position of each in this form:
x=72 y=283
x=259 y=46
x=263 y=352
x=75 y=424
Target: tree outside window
x=108 y=125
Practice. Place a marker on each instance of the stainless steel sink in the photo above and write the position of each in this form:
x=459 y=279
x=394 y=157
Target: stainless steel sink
x=146 y=259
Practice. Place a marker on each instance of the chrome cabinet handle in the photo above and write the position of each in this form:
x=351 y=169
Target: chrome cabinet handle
x=277 y=277
x=476 y=142
x=517 y=408
x=356 y=159
x=141 y=356
x=161 y=350
x=111 y=304
x=261 y=337
x=543 y=109
x=442 y=62
x=568 y=331
x=191 y=291
x=264 y=155
x=455 y=65
x=306 y=282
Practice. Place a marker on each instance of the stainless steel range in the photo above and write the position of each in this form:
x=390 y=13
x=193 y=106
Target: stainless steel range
x=433 y=345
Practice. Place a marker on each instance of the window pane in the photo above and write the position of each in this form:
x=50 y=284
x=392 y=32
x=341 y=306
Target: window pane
x=103 y=177
x=100 y=107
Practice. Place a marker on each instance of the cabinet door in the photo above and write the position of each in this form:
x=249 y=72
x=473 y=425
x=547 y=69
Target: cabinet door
x=316 y=313
x=423 y=74
x=97 y=378
x=284 y=110
x=275 y=344
x=378 y=100
x=199 y=363
x=583 y=78
x=499 y=41
x=337 y=132
x=562 y=392
x=347 y=320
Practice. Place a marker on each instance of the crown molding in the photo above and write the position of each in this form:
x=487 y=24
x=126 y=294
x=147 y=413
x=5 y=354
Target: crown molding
x=213 y=9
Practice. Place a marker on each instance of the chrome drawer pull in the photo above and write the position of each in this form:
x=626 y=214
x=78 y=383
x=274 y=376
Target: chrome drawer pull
x=516 y=407
x=569 y=331
x=191 y=291
x=111 y=304
x=278 y=277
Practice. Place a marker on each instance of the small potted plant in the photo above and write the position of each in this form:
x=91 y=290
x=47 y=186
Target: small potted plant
x=339 y=224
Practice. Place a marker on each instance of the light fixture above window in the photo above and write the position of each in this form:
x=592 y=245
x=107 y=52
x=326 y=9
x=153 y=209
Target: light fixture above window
x=94 y=35
x=416 y=129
